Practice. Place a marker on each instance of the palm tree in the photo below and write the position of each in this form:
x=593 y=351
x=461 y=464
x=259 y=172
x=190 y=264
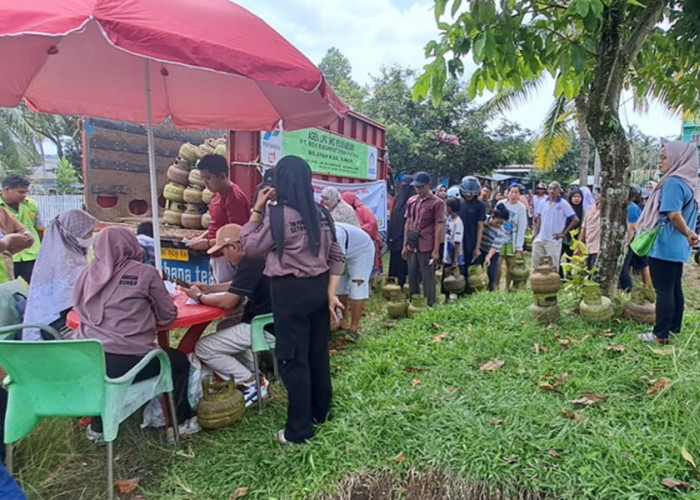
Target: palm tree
x=555 y=135
x=18 y=143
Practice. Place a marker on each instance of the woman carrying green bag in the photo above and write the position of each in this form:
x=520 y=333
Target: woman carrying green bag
x=672 y=208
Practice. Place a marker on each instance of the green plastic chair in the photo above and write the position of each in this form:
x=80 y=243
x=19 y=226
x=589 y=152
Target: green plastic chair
x=6 y=332
x=259 y=344
x=66 y=378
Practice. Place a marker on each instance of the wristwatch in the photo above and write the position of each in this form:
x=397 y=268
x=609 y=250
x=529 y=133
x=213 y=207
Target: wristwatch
x=198 y=297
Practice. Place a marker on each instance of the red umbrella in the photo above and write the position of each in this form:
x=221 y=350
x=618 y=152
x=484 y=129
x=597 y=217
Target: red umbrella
x=203 y=63
x=212 y=64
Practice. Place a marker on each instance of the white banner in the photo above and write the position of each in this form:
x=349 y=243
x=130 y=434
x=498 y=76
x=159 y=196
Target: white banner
x=373 y=194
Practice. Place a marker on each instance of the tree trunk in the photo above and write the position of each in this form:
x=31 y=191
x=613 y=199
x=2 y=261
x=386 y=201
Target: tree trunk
x=612 y=145
x=584 y=138
x=617 y=47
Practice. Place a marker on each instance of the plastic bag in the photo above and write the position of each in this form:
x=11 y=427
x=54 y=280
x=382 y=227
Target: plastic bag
x=153 y=415
x=198 y=371
x=644 y=241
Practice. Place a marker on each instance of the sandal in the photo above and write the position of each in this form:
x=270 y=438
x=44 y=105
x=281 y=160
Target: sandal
x=279 y=436
x=651 y=337
x=350 y=335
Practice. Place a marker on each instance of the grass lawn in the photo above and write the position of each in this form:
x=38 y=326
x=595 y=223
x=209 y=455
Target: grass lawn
x=410 y=399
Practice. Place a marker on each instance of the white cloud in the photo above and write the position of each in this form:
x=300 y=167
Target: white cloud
x=372 y=33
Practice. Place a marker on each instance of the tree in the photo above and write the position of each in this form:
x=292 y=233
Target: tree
x=18 y=143
x=65 y=177
x=421 y=136
x=412 y=129
x=645 y=155
x=594 y=47
x=25 y=130
x=338 y=72
x=555 y=135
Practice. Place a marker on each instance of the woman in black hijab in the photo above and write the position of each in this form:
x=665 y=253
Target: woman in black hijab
x=398 y=267
x=576 y=202
x=304 y=263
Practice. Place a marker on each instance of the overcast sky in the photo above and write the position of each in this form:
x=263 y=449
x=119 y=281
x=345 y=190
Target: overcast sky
x=372 y=33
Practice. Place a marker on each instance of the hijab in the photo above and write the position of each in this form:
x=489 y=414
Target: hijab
x=578 y=209
x=368 y=221
x=62 y=256
x=116 y=251
x=588 y=198
x=398 y=212
x=405 y=192
x=682 y=159
x=341 y=212
x=292 y=179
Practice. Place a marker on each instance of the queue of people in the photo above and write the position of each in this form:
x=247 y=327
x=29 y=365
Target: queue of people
x=296 y=259
x=481 y=228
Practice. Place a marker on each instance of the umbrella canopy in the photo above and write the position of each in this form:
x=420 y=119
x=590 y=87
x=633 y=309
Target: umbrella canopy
x=203 y=63
x=213 y=64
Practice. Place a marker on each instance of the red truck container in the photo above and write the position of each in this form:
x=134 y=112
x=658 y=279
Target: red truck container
x=245 y=151
x=116 y=174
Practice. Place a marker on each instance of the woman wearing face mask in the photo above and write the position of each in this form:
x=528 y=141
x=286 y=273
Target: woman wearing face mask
x=62 y=257
x=121 y=301
x=672 y=205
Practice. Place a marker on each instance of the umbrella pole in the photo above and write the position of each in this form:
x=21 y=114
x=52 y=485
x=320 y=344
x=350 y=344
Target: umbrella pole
x=152 y=167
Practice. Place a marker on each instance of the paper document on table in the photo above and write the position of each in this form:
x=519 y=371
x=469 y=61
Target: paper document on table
x=171 y=288
x=192 y=301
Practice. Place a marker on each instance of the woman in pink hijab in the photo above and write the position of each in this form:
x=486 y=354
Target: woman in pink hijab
x=368 y=222
x=120 y=302
x=673 y=207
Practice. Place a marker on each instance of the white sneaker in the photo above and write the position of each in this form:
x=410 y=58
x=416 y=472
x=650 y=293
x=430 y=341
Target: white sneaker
x=250 y=395
x=97 y=437
x=187 y=428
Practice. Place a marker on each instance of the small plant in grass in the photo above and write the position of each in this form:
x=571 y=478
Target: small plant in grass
x=576 y=272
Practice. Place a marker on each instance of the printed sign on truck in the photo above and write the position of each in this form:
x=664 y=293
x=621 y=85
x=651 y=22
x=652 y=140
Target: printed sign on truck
x=325 y=153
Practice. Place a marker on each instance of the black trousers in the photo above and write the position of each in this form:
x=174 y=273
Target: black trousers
x=24 y=269
x=118 y=364
x=302 y=330
x=635 y=262
x=398 y=267
x=667 y=278
x=421 y=271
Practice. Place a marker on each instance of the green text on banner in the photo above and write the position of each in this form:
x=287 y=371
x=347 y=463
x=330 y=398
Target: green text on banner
x=325 y=153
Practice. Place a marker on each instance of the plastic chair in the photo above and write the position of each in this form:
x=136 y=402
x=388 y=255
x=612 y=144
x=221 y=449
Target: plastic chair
x=70 y=381
x=259 y=344
x=7 y=332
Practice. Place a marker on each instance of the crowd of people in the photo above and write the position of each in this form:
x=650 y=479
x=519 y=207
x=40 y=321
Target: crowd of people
x=469 y=225
x=304 y=261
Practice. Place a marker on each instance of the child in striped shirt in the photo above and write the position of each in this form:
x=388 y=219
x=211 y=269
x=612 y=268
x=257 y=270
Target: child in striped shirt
x=491 y=242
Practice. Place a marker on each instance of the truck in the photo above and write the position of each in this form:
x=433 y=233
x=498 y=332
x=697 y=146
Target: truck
x=350 y=153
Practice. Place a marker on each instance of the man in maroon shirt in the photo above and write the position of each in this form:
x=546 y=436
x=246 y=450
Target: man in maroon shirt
x=228 y=206
x=425 y=225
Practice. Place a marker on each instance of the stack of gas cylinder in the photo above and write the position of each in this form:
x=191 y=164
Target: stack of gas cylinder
x=545 y=283
x=186 y=197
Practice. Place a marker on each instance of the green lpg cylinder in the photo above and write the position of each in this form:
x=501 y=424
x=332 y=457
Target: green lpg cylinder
x=221 y=405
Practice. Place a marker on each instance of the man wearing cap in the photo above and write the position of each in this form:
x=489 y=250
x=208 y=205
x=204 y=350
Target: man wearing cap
x=540 y=196
x=228 y=351
x=425 y=225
